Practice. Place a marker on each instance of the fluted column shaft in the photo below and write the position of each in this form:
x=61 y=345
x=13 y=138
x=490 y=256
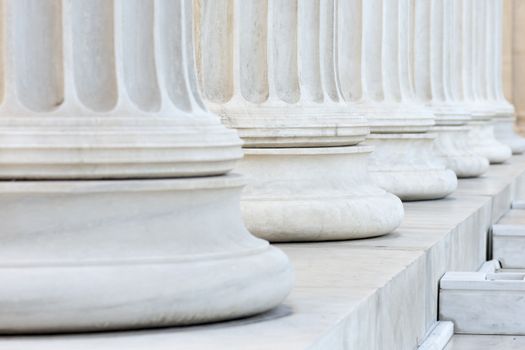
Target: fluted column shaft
x=106 y=91
x=381 y=86
x=276 y=81
x=438 y=69
x=87 y=94
x=479 y=40
x=267 y=68
x=505 y=112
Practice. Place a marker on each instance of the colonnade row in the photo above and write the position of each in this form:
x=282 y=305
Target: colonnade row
x=119 y=208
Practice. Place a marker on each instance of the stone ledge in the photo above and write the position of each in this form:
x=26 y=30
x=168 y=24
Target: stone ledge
x=378 y=293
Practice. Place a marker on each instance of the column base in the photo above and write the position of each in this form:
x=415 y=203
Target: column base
x=407 y=166
x=451 y=145
x=315 y=194
x=482 y=142
x=504 y=133
x=106 y=255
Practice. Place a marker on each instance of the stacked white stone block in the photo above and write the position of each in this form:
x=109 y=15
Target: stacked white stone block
x=118 y=209
x=126 y=217
x=269 y=68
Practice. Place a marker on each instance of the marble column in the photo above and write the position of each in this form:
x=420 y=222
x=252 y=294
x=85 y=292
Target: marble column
x=118 y=223
x=518 y=62
x=438 y=82
x=378 y=61
x=479 y=80
x=269 y=69
x=505 y=113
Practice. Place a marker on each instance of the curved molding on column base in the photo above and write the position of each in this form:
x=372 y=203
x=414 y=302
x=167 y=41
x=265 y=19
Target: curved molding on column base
x=315 y=194
x=451 y=145
x=280 y=124
x=481 y=141
x=407 y=166
x=386 y=117
x=504 y=133
x=111 y=255
x=113 y=147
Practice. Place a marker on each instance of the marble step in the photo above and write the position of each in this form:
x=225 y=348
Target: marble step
x=489 y=301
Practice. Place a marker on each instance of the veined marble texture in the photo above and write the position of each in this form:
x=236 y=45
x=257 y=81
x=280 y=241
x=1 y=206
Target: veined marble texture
x=269 y=69
x=483 y=90
x=106 y=91
x=313 y=194
x=438 y=82
x=375 y=64
x=157 y=254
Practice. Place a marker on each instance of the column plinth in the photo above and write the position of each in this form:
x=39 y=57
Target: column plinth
x=278 y=85
x=505 y=118
x=140 y=235
x=312 y=194
x=138 y=262
x=407 y=165
x=453 y=147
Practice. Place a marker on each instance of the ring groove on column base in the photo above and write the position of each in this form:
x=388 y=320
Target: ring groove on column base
x=107 y=255
x=407 y=166
x=315 y=194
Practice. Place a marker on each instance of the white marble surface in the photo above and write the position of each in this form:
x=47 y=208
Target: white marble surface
x=283 y=89
x=504 y=132
x=439 y=337
x=483 y=303
x=408 y=166
x=155 y=253
x=502 y=183
x=508 y=239
x=363 y=294
x=451 y=145
x=315 y=194
x=486 y=342
x=80 y=104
